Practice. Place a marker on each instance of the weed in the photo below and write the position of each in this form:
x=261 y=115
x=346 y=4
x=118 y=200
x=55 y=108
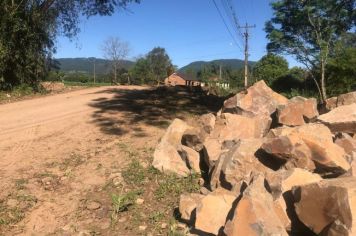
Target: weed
x=73 y=161
x=172 y=185
x=156 y=217
x=20 y=184
x=134 y=173
x=122 y=202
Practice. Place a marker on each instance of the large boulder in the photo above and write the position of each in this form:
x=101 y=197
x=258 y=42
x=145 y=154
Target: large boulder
x=237 y=165
x=187 y=204
x=213 y=210
x=341 y=119
x=328 y=206
x=231 y=127
x=297 y=111
x=347 y=143
x=166 y=157
x=283 y=181
x=346 y=99
x=256 y=213
x=258 y=99
x=207 y=121
x=309 y=147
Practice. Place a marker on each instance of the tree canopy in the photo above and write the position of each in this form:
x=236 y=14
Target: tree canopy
x=308 y=30
x=28 y=29
x=270 y=67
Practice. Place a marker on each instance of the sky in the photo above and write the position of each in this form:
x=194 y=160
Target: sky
x=189 y=30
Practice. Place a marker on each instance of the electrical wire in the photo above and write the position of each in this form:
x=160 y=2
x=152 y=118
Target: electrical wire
x=227 y=28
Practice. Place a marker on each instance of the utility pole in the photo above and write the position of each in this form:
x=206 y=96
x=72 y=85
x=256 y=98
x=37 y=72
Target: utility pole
x=246 y=35
x=94 y=70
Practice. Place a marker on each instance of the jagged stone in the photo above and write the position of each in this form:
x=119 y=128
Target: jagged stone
x=213 y=210
x=309 y=147
x=256 y=213
x=341 y=119
x=237 y=164
x=328 y=206
x=347 y=143
x=208 y=122
x=331 y=103
x=166 y=157
x=346 y=99
x=259 y=99
x=192 y=157
x=187 y=205
x=297 y=111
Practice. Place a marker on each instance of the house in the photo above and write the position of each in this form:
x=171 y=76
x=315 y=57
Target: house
x=217 y=82
x=181 y=79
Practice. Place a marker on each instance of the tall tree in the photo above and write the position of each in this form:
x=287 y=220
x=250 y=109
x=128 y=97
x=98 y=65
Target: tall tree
x=28 y=29
x=116 y=51
x=270 y=67
x=160 y=63
x=308 y=29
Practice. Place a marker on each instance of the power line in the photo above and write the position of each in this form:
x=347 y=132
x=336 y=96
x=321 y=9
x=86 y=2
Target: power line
x=222 y=18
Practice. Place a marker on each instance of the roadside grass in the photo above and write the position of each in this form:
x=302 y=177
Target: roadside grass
x=159 y=191
x=88 y=84
x=14 y=207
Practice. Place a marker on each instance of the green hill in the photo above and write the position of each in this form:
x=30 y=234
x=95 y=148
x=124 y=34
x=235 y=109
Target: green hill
x=233 y=64
x=86 y=65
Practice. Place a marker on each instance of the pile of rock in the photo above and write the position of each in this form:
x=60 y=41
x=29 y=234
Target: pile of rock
x=272 y=166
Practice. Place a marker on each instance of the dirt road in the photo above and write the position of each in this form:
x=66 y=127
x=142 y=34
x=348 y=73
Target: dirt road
x=53 y=151
x=62 y=159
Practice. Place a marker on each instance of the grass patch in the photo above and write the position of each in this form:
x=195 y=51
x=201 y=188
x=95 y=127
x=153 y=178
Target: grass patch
x=173 y=186
x=89 y=84
x=10 y=215
x=134 y=173
x=122 y=202
x=20 y=184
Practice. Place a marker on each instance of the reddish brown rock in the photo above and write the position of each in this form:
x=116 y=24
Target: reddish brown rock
x=192 y=157
x=208 y=122
x=347 y=143
x=307 y=146
x=328 y=206
x=166 y=157
x=256 y=213
x=284 y=180
x=259 y=99
x=341 y=119
x=212 y=151
x=346 y=99
x=237 y=164
x=187 y=204
x=231 y=127
x=212 y=211
x=331 y=103
x=297 y=111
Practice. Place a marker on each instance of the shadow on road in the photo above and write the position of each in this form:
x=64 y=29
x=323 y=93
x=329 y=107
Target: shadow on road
x=153 y=107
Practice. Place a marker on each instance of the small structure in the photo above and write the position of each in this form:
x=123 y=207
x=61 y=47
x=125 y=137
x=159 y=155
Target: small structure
x=181 y=79
x=217 y=82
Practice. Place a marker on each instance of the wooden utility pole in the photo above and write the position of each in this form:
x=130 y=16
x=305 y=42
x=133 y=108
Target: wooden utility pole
x=246 y=35
x=94 y=71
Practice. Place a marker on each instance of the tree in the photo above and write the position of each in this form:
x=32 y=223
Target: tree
x=270 y=67
x=308 y=29
x=28 y=29
x=141 y=72
x=160 y=63
x=115 y=50
x=341 y=69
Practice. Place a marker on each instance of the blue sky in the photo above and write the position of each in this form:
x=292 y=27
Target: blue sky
x=190 y=30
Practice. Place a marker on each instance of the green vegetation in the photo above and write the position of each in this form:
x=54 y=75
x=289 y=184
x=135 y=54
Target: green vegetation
x=153 y=68
x=28 y=30
x=270 y=67
x=310 y=30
